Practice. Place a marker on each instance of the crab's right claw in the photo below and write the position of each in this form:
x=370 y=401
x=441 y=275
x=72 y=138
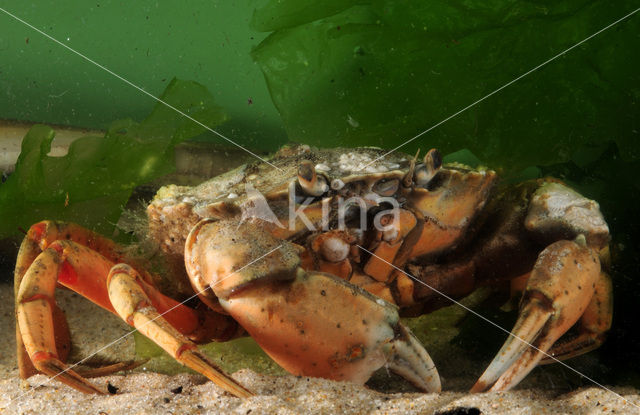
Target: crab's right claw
x=311 y=323
x=321 y=326
x=406 y=357
x=562 y=288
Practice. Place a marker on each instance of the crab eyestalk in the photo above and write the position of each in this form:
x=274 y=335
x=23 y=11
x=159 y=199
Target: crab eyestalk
x=426 y=171
x=309 y=180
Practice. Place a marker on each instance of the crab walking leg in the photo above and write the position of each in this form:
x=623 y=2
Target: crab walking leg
x=38 y=238
x=29 y=251
x=84 y=271
x=34 y=312
x=134 y=306
x=594 y=323
x=558 y=293
x=39 y=320
x=311 y=323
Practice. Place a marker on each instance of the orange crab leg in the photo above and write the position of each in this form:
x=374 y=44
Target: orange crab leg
x=135 y=307
x=40 y=323
x=34 y=312
x=595 y=321
x=559 y=291
x=38 y=238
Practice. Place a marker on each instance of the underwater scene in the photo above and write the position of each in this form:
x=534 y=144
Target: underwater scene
x=294 y=206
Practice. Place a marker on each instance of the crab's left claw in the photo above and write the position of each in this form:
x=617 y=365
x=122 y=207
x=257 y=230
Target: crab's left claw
x=565 y=285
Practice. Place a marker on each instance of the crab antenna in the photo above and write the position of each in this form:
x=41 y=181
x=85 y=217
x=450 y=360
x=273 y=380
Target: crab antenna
x=407 y=180
x=310 y=182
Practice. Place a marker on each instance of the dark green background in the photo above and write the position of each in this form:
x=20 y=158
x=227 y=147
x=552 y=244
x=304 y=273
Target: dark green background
x=145 y=42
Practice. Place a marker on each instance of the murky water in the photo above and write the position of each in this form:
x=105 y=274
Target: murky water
x=468 y=81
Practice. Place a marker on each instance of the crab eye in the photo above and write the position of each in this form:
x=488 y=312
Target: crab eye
x=309 y=181
x=434 y=158
x=335 y=249
x=426 y=171
x=386 y=187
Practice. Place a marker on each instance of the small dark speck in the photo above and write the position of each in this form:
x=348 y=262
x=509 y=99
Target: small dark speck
x=323 y=293
x=338 y=325
x=249 y=101
x=338 y=28
x=579 y=287
x=249 y=411
x=460 y=410
x=111 y=389
x=177 y=390
x=364 y=322
x=163 y=79
x=166 y=400
x=199 y=406
x=27 y=40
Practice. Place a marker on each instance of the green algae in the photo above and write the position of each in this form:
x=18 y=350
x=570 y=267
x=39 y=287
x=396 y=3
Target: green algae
x=379 y=72
x=93 y=181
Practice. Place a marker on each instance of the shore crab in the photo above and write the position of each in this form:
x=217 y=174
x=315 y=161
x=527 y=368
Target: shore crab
x=317 y=259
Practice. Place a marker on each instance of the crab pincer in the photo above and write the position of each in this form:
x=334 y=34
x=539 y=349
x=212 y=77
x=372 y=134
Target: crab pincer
x=565 y=286
x=311 y=323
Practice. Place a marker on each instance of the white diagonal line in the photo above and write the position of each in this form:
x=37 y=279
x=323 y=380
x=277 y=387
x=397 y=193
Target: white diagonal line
x=137 y=329
x=496 y=325
x=504 y=86
x=138 y=88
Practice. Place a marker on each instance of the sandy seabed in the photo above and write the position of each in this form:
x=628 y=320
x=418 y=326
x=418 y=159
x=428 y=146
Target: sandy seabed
x=152 y=393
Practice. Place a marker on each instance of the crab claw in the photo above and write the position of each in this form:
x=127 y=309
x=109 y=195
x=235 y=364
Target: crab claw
x=311 y=323
x=558 y=292
x=406 y=357
x=321 y=326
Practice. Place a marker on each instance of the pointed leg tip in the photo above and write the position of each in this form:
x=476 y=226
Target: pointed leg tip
x=479 y=387
x=55 y=369
x=200 y=363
